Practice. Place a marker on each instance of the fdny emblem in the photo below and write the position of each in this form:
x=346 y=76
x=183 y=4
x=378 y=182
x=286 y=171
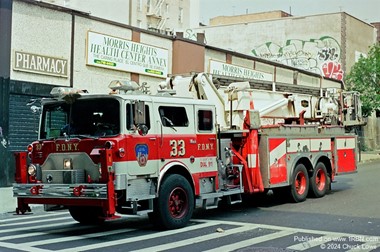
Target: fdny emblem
x=142 y=151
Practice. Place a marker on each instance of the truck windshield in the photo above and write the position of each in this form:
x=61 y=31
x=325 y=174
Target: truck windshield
x=84 y=118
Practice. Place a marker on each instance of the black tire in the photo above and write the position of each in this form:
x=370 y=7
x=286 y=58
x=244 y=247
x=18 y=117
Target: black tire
x=87 y=215
x=175 y=205
x=299 y=187
x=320 y=181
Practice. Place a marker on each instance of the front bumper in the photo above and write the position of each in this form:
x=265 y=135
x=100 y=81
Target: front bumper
x=61 y=191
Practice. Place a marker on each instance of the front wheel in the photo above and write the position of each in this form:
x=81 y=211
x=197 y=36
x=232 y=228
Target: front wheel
x=300 y=184
x=174 y=207
x=319 y=182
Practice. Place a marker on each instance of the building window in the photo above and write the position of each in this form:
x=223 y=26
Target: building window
x=159 y=11
x=180 y=16
x=139 y=5
x=148 y=6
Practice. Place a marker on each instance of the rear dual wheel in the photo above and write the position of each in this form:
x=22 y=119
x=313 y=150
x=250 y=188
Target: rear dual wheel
x=320 y=181
x=300 y=184
x=318 y=184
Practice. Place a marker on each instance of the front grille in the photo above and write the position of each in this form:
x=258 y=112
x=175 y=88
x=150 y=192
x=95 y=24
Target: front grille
x=63 y=176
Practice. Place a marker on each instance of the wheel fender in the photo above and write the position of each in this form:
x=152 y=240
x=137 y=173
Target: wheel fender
x=327 y=161
x=300 y=159
x=318 y=157
x=180 y=169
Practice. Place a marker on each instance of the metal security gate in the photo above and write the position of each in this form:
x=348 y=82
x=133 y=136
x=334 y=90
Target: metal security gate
x=23 y=123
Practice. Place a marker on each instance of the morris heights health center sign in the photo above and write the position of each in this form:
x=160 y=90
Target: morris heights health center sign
x=221 y=68
x=124 y=55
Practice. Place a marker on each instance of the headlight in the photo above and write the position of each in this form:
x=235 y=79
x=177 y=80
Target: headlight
x=67 y=163
x=32 y=170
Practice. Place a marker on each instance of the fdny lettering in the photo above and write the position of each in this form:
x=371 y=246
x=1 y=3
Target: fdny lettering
x=66 y=147
x=206 y=146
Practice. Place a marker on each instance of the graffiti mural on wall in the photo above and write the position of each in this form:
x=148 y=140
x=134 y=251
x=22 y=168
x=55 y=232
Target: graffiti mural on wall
x=321 y=56
x=190 y=34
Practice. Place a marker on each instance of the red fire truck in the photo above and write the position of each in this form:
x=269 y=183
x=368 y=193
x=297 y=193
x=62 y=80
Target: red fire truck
x=165 y=152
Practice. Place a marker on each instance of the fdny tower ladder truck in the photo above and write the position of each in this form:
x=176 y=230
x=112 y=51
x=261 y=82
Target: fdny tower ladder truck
x=185 y=144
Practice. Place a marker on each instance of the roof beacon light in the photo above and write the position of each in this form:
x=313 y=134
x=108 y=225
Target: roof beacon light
x=67 y=94
x=62 y=91
x=125 y=85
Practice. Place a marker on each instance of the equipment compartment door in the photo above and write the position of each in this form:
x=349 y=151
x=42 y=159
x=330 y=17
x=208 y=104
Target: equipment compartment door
x=277 y=160
x=345 y=153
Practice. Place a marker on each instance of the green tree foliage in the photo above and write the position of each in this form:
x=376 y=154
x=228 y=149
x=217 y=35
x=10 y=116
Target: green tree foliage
x=364 y=77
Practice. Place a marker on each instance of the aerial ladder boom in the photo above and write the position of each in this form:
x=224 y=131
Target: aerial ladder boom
x=232 y=102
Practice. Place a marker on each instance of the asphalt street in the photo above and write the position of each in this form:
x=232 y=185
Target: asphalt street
x=345 y=219
x=352 y=204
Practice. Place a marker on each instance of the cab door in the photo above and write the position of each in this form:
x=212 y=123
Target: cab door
x=189 y=142
x=177 y=135
x=142 y=144
x=206 y=138
x=207 y=178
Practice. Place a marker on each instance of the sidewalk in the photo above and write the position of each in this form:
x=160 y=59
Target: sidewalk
x=367 y=156
x=7 y=202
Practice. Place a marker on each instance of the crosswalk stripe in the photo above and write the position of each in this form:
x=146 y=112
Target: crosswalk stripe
x=139 y=238
x=313 y=242
x=313 y=238
x=328 y=236
x=33 y=216
x=252 y=241
x=31 y=234
x=22 y=248
x=30 y=229
x=35 y=221
x=301 y=230
x=199 y=239
x=76 y=238
x=366 y=247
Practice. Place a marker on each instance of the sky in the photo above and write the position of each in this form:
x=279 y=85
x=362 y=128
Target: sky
x=366 y=10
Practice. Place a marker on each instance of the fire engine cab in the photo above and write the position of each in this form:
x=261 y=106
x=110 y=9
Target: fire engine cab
x=185 y=146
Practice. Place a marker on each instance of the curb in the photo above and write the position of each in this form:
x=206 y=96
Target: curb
x=369 y=156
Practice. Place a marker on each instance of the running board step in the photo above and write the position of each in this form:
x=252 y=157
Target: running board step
x=234 y=199
x=211 y=200
x=210 y=205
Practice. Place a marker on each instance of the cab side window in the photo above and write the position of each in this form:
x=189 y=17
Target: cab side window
x=173 y=116
x=205 y=120
x=130 y=116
